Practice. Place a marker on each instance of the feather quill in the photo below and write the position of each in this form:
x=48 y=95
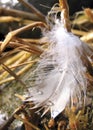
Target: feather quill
x=60 y=76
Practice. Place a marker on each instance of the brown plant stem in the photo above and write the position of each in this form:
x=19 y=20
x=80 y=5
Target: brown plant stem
x=13 y=74
x=11 y=34
x=18 y=13
x=33 y=9
x=65 y=9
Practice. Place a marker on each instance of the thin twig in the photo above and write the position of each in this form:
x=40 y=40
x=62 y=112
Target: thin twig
x=18 y=13
x=64 y=7
x=11 y=34
x=25 y=63
x=14 y=60
x=33 y=9
x=13 y=74
x=25 y=69
x=46 y=127
x=6 y=56
x=7 y=19
x=88 y=37
x=78 y=32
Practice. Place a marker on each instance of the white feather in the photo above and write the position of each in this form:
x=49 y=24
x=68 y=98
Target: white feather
x=60 y=74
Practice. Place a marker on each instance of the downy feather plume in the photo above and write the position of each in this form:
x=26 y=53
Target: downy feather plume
x=60 y=76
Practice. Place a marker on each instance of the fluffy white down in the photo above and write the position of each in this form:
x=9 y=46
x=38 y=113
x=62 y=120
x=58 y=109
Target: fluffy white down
x=60 y=74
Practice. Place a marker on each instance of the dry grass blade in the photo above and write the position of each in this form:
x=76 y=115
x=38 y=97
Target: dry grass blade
x=13 y=61
x=46 y=127
x=89 y=14
x=25 y=46
x=25 y=63
x=36 y=41
x=15 y=32
x=13 y=74
x=20 y=97
x=18 y=13
x=10 y=57
x=88 y=37
x=9 y=19
x=33 y=9
x=23 y=70
x=78 y=32
x=64 y=6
